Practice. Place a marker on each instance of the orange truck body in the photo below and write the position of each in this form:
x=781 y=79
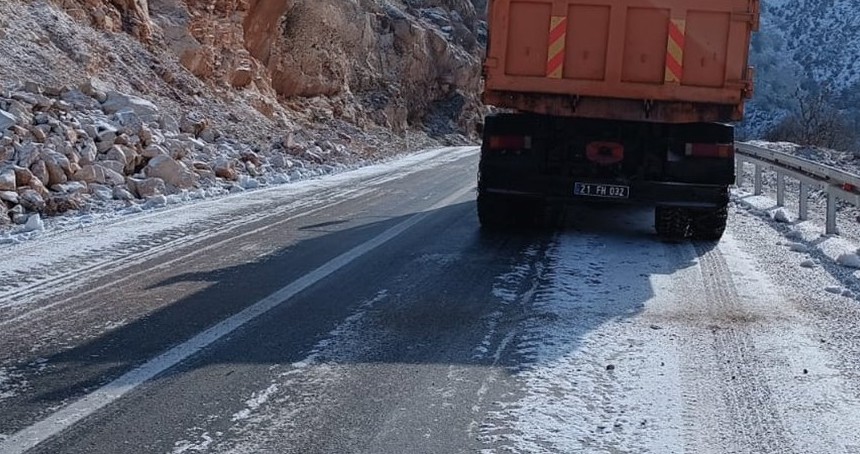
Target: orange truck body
x=667 y=61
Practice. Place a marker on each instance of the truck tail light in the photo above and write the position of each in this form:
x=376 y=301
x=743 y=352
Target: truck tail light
x=710 y=150
x=605 y=153
x=510 y=142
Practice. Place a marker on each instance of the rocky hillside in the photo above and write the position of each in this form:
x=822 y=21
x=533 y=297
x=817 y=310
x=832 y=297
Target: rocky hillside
x=811 y=44
x=128 y=101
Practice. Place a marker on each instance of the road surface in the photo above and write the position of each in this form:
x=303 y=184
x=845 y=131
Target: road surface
x=368 y=313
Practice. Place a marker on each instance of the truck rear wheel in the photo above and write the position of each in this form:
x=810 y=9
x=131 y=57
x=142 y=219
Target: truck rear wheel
x=709 y=225
x=493 y=213
x=672 y=223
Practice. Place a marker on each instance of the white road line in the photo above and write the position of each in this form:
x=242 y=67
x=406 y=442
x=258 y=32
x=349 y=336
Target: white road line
x=65 y=418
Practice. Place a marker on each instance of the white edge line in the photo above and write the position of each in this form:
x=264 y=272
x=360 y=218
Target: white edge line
x=70 y=415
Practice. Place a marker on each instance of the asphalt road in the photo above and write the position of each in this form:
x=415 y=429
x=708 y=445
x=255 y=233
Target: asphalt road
x=372 y=315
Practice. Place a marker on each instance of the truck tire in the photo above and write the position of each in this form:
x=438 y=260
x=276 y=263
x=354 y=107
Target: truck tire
x=709 y=225
x=672 y=223
x=493 y=213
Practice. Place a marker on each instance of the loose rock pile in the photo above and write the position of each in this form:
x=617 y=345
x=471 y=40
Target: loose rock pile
x=72 y=148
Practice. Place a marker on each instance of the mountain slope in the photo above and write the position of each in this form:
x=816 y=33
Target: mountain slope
x=811 y=44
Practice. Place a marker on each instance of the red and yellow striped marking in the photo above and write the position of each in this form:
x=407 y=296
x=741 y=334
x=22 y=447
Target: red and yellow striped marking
x=557 y=38
x=675 y=51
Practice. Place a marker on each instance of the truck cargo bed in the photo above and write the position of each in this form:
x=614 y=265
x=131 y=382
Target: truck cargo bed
x=673 y=61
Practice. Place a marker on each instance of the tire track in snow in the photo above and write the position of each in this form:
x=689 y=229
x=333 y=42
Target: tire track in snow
x=755 y=423
x=590 y=376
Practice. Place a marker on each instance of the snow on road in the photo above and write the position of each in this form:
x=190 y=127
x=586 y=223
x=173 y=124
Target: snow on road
x=66 y=258
x=638 y=346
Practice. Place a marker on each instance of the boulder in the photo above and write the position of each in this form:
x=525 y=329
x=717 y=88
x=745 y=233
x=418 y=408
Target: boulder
x=34 y=224
x=26 y=155
x=23 y=176
x=8 y=180
x=88 y=152
x=7 y=120
x=116 y=166
x=9 y=196
x=31 y=200
x=59 y=167
x=101 y=192
x=40 y=171
x=153 y=151
x=59 y=204
x=5 y=219
x=193 y=123
x=96 y=173
x=130 y=121
x=224 y=168
x=173 y=172
x=121 y=193
x=117 y=102
x=37 y=185
x=95 y=89
x=146 y=188
x=127 y=156
x=70 y=187
x=250 y=156
x=168 y=124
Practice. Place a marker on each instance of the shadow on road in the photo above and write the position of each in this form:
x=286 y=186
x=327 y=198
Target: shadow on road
x=444 y=289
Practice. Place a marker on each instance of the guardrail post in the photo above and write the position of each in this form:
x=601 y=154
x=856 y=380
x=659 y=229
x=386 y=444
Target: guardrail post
x=739 y=172
x=803 y=209
x=758 y=190
x=780 y=189
x=831 y=212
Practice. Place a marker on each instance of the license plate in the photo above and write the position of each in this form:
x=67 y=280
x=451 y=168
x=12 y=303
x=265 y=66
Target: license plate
x=609 y=191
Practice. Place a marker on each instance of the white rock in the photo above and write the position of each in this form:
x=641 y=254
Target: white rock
x=7 y=179
x=153 y=151
x=849 y=260
x=798 y=247
x=146 y=188
x=31 y=200
x=781 y=216
x=120 y=193
x=130 y=121
x=95 y=173
x=9 y=196
x=34 y=224
x=168 y=124
x=134 y=209
x=155 y=202
x=70 y=188
x=58 y=166
x=280 y=178
x=88 y=152
x=40 y=171
x=117 y=101
x=173 y=172
x=248 y=183
x=103 y=193
x=4 y=215
x=7 y=120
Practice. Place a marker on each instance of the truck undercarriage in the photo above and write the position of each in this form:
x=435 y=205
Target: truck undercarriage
x=534 y=163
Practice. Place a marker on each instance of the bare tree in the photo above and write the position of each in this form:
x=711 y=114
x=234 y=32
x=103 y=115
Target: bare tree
x=816 y=122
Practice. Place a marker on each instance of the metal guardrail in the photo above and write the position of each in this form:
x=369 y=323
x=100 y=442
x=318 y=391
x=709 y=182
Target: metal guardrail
x=837 y=184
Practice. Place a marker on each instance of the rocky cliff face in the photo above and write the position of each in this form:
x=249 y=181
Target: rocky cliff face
x=130 y=101
x=396 y=60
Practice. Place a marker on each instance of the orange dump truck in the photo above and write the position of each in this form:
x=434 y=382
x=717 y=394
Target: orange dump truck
x=616 y=101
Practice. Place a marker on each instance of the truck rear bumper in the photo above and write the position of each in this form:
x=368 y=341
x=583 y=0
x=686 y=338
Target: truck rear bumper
x=640 y=192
